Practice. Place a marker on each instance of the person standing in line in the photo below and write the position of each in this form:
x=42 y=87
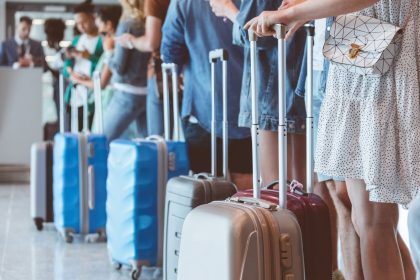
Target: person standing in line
x=369 y=128
x=239 y=14
x=155 y=13
x=107 y=20
x=83 y=55
x=54 y=30
x=22 y=51
x=190 y=32
x=129 y=76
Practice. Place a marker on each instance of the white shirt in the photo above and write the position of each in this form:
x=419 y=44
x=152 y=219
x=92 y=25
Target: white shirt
x=83 y=66
x=320 y=26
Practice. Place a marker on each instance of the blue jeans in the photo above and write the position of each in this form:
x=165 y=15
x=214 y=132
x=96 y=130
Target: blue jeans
x=123 y=109
x=414 y=231
x=317 y=102
x=154 y=110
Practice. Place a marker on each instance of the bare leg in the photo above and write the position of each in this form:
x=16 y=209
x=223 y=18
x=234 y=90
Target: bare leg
x=296 y=155
x=410 y=271
x=321 y=190
x=269 y=156
x=242 y=180
x=376 y=225
x=349 y=240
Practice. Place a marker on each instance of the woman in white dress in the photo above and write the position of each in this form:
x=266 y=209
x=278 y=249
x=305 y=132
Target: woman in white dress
x=369 y=128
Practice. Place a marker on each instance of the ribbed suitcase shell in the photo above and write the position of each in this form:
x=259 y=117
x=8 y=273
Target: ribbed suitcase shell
x=236 y=241
x=67 y=185
x=41 y=183
x=314 y=220
x=138 y=172
x=183 y=194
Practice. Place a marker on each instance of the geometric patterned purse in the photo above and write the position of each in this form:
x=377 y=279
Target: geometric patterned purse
x=362 y=44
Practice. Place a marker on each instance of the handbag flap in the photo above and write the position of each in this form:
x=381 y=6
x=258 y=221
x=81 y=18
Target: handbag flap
x=366 y=37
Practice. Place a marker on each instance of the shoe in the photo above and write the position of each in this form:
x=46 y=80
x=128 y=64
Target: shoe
x=337 y=275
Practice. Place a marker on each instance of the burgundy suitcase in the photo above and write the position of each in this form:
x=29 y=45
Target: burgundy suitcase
x=311 y=211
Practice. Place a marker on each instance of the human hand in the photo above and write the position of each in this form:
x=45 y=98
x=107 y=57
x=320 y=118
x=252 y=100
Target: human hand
x=125 y=40
x=263 y=24
x=25 y=61
x=224 y=8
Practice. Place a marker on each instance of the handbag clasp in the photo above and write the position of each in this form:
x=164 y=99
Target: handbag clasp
x=354 y=50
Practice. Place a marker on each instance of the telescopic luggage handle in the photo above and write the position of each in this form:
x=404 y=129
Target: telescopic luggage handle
x=173 y=69
x=97 y=90
x=256 y=183
x=282 y=129
x=281 y=30
x=214 y=56
x=62 y=113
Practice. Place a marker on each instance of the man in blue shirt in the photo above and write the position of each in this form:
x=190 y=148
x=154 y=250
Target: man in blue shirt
x=189 y=33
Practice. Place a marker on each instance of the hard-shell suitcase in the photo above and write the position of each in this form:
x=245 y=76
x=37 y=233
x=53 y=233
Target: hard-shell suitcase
x=242 y=238
x=41 y=180
x=187 y=192
x=79 y=181
x=310 y=210
x=138 y=172
x=41 y=183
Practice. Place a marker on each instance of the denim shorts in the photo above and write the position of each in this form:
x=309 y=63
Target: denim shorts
x=317 y=101
x=269 y=112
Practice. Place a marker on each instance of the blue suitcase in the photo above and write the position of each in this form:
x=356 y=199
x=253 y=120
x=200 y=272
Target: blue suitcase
x=138 y=172
x=79 y=183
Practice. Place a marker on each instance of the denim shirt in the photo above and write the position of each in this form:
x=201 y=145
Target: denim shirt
x=267 y=57
x=190 y=31
x=129 y=66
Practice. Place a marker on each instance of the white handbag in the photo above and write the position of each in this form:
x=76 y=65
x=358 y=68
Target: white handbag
x=362 y=44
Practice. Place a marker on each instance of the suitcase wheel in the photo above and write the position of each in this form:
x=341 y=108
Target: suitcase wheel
x=39 y=223
x=116 y=265
x=68 y=238
x=135 y=274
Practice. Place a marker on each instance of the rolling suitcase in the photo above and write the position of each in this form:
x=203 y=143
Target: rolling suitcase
x=310 y=210
x=187 y=192
x=243 y=238
x=138 y=173
x=41 y=185
x=79 y=180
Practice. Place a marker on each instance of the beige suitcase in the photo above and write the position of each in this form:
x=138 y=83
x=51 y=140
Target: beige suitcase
x=243 y=238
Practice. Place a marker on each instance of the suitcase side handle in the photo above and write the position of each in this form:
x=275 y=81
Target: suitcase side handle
x=214 y=56
x=173 y=69
x=91 y=187
x=255 y=202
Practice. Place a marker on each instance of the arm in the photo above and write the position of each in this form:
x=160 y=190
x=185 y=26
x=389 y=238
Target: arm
x=296 y=15
x=119 y=60
x=150 y=41
x=174 y=48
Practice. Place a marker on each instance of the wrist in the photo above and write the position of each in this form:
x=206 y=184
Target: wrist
x=231 y=11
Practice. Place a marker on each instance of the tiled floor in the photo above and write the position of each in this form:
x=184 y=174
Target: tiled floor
x=26 y=254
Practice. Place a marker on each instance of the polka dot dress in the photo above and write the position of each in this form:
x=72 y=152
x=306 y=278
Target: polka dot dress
x=369 y=127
